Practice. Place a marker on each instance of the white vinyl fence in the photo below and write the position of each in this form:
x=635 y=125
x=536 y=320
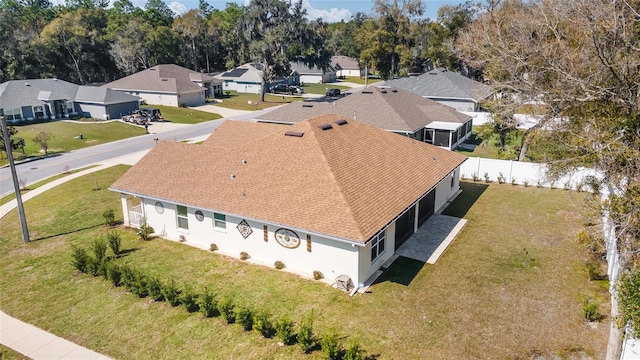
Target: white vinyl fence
x=522 y=173
x=524 y=121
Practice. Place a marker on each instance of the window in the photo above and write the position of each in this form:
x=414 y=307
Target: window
x=38 y=112
x=13 y=114
x=453 y=180
x=70 y=107
x=377 y=245
x=219 y=221
x=181 y=214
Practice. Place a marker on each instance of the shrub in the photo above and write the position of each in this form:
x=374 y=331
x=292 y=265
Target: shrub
x=139 y=284
x=128 y=276
x=145 y=230
x=262 y=323
x=501 y=178
x=487 y=179
x=330 y=345
x=317 y=275
x=513 y=181
x=79 y=259
x=188 y=299
x=539 y=184
x=278 y=265
x=244 y=255
x=225 y=308
x=109 y=217
x=284 y=330
x=213 y=247
x=114 y=273
x=93 y=267
x=102 y=267
x=115 y=242
x=590 y=309
x=305 y=336
x=353 y=352
x=182 y=238
x=594 y=270
x=594 y=244
x=208 y=303
x=99 y=249
x=474 y=176
x=244 y=317
x=171 y=293
x=567 y=185
x=525 y=183
x=154 y=288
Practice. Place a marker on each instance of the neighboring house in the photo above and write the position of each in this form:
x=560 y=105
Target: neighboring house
x=327 y=194
x=313 y=74
x=245 y=78
x=51 y=99
x=346 y=66
x=390 y=109
x=446 y=87
x=169 y=85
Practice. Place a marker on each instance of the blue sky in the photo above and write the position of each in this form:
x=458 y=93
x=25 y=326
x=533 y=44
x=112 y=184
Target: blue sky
x=328 y=10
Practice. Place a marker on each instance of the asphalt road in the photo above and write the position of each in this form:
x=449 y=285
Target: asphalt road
x=34 y=171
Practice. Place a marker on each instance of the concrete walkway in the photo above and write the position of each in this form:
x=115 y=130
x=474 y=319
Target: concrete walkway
x=39 y=344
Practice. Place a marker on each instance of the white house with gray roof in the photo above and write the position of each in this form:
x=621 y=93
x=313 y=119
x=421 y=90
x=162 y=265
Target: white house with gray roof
x=52 y=99
x=245 y=78
x=313 y=74
x=446 y=87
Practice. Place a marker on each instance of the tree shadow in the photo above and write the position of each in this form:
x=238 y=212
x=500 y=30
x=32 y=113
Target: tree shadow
x=66 y=232
x=402 y=271
x=471 y=192
x=126 y=252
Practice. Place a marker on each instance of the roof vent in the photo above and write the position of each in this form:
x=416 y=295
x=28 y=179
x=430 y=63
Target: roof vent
x=383 y=91
x=307 y=105
x=340 y=122
x=294 y=133
x=367 y=92
x=232 y=176
x=432 y=73
x=244 y=162
x=394 y=90
x=27 y=84
x=325 y=126
x=165 y=79
x=152 y=69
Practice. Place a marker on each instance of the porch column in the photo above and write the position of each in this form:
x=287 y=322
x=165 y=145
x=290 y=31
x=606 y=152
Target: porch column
x=125 y=209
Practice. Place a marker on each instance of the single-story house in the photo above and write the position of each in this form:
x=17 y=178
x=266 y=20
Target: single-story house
x=327 y=194
x=170 y=85
x=245 y=78
x=446 y=87
x=313 y=74
x=346 y=66
x=51 y=99
x=390 y=109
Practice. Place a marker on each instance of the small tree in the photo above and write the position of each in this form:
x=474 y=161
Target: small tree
x=353 y=352
x=305 y=337
x=145 y=230
x=99 y=249
x=284 y=330
x=115 y=242
x=208 y=303
x=109 y=217
x=262 y=323
x=244 y=317
x=43 y=139
x=330 y=345
x=79 y=259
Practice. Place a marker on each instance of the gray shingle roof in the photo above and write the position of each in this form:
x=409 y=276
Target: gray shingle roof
x=301 y=69
x=344 y=63
x=169 y=78
x=441 y=83
x=247 y=73
x=34 y=92
x=386 y=108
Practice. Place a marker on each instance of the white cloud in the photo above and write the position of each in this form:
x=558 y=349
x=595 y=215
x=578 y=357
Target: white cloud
x=332 y=15
x=178 y=8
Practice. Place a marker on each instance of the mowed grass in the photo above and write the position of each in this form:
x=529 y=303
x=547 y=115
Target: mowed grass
x=184 y=115
x=322 y=88
x=9 y=354
x=360 y=80
x=509 y=286
x=240 y=101
x=63 y=135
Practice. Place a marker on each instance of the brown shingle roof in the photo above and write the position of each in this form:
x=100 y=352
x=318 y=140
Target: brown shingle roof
x=346 y=182
x=162 y=78
x=386 y=108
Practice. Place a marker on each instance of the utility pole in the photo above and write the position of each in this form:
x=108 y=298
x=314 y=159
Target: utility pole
x=14 y=175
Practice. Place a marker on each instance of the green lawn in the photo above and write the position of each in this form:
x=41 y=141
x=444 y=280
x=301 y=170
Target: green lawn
x=63 y=135
x=359 y=80
x=322 y=88
x=9 y=354
x=184 y=115
x=509 y=286
x=240 y=101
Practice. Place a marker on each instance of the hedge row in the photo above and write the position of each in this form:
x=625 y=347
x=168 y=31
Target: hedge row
x=96 y=262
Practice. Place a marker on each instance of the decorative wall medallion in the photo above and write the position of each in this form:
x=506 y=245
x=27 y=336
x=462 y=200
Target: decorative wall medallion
x=159 y=207
x=199 y=215
x=244 y=229
x=287 y=238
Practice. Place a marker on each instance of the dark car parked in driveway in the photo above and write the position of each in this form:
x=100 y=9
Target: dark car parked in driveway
x=333 y=92
x=286 y=89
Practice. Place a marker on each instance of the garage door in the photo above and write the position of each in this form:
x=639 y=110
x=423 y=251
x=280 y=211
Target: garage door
x=426 y=207
x=404 y=226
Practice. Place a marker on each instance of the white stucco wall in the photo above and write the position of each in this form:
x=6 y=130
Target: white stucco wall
x=251 y=88
x=444 y=190
x=459 y=105
x=349 y=72
x=191 y=99
x=153 y=98
x=328 y=256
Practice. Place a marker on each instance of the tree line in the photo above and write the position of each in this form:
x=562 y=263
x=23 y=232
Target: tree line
x=85 y=41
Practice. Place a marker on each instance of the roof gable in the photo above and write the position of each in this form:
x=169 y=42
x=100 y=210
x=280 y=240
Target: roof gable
x=344 y=63
x=345 y=181
x=168 y=78
x=441 y=83
x=32 y=92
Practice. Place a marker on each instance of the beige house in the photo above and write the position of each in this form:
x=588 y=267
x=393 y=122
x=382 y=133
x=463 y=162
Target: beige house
x=387 y=108
x=169 y=85
x=328 y=194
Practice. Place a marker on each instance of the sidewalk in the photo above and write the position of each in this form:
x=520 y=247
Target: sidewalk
x=39 y=344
